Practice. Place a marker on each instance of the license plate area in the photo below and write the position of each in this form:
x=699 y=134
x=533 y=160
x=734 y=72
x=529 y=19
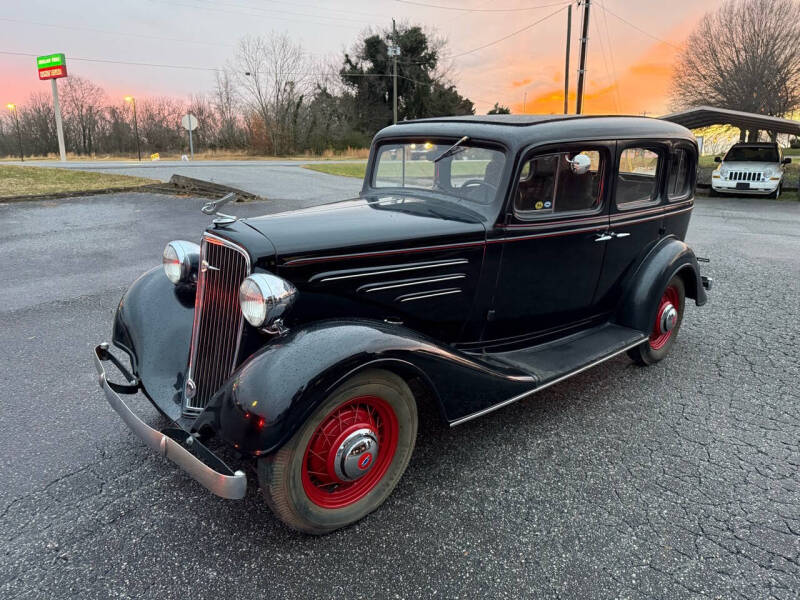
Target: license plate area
x=742 y=185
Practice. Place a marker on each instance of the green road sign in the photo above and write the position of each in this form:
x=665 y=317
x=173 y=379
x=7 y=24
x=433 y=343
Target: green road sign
x=50 y=60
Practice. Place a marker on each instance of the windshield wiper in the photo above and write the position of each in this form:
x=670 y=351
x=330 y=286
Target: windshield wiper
x=452 y=149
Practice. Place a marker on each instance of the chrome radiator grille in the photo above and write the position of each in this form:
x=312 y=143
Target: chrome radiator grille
x=217 y=327
x=745 y=176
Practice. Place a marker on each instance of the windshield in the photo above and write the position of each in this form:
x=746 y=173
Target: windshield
x=466 y=172
x=753 y=154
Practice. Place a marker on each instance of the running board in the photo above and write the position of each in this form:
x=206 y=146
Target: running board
x=560 y=359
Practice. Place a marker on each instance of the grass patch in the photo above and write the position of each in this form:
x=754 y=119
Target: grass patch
x=40 y=181
x=354 y=169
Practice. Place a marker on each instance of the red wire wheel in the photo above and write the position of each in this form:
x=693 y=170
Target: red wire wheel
x=322 y=482
x=671 y=298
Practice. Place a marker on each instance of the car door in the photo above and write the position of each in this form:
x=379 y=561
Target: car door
x=551 y=259
x=637 y=203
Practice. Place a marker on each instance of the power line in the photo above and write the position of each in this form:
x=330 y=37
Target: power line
x=294 y=3
x=510 y=35
x=637 y=28
x=611 y=56
x=188 y=67
x=272 y=11
x=486 y=10
x=259 y=16
x=149 y=37
x=605 y=61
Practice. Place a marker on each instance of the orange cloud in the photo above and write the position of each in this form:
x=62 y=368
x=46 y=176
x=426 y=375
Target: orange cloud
x=641 y=87
x=521 y=83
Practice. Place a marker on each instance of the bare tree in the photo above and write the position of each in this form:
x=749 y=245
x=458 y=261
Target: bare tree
x=83 y=107
x=743 y=56
x=273 y=73
x=225 y=102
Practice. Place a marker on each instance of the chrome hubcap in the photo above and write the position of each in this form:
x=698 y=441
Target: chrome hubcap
x=356 y=455
x=669 y=317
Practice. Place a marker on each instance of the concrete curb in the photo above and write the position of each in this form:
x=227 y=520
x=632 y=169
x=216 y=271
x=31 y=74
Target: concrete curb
x=208 y=188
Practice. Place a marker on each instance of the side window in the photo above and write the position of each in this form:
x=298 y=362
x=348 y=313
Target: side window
x=680 y=175
x=637 y=180
x=560 y=182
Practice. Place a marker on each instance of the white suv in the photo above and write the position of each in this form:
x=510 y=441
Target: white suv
x=750 y=169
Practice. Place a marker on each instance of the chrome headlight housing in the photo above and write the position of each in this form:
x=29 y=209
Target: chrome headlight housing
x=264 y=298
x=180 y=260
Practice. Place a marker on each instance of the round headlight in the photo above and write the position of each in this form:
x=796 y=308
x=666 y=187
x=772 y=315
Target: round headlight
x=180 y=259
x=264 y=298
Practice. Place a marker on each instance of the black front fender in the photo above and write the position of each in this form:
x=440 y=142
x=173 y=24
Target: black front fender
x=153 y=324
x=645 y=287
x=276 y=389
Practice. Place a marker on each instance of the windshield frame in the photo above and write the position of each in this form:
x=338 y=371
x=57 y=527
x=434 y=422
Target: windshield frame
x=370 y=189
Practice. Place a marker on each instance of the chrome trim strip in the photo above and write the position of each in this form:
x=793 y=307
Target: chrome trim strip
x=225 y=486
x=500 y=405
x=450 y=263
x=198 y=304
x=418 y=282
x=432 y=295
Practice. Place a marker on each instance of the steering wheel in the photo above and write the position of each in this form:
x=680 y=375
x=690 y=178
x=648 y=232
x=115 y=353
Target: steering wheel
x=480 y=183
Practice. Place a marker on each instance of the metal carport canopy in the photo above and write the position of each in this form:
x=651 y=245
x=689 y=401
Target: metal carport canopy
x=704 y=116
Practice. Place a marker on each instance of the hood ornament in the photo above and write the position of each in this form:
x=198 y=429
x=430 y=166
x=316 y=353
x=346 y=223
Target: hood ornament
x=211 y=208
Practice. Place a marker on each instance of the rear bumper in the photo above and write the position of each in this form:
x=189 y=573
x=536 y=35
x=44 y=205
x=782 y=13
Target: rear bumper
x=201 y=464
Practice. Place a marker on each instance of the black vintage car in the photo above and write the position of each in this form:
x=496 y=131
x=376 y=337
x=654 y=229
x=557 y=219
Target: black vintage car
x=517 y=252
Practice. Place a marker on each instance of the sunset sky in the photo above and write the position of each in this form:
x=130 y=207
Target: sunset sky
x=628 y=71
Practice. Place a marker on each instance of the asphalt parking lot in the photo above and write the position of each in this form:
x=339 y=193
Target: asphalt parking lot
x=676 y=481
x=277 y=180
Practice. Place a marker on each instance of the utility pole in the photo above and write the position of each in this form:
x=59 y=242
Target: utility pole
x=59 y=125
x=582 y=67
x=566 y=60
x=191 y=144
x=394 y=50
x=132 y=100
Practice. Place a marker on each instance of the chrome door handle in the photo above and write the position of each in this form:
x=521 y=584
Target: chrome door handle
x=603 y=237
x=620 y=235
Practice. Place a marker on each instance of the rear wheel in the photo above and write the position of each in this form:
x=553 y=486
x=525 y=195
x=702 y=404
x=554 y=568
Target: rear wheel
x=346 y=458
x=668 y=319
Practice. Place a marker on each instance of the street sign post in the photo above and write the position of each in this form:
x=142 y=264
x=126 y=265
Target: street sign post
x=190 y=123
x=53 y=67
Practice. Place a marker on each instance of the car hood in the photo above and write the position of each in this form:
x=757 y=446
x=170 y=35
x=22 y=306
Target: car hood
x=746 y=165
x=368 y=224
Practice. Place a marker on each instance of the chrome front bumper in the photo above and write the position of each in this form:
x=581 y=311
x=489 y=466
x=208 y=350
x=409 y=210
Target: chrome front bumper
x=172 y=442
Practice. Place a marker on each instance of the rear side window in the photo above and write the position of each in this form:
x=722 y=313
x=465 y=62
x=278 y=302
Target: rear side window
x=637 y=180
x=680 y=175
x=560 y=182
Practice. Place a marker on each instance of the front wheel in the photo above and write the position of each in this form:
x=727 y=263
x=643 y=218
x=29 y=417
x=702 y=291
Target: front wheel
x=668 y=319
x=347 y=457
x=777 y=193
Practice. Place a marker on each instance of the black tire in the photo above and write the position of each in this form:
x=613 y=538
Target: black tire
x=712 y=193
x=645 y=354
x=281 y=475
x=777 y=193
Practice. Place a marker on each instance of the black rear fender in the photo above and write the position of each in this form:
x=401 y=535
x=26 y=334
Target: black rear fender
x=644 y=288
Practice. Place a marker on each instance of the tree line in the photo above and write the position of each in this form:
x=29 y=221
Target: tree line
x=271 y=98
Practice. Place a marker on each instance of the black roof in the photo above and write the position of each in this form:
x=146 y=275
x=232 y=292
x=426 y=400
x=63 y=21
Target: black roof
x=516 y=131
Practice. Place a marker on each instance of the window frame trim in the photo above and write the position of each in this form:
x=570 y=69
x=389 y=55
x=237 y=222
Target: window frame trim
x=663 y=150
x=692 y=172
x=606 y=154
